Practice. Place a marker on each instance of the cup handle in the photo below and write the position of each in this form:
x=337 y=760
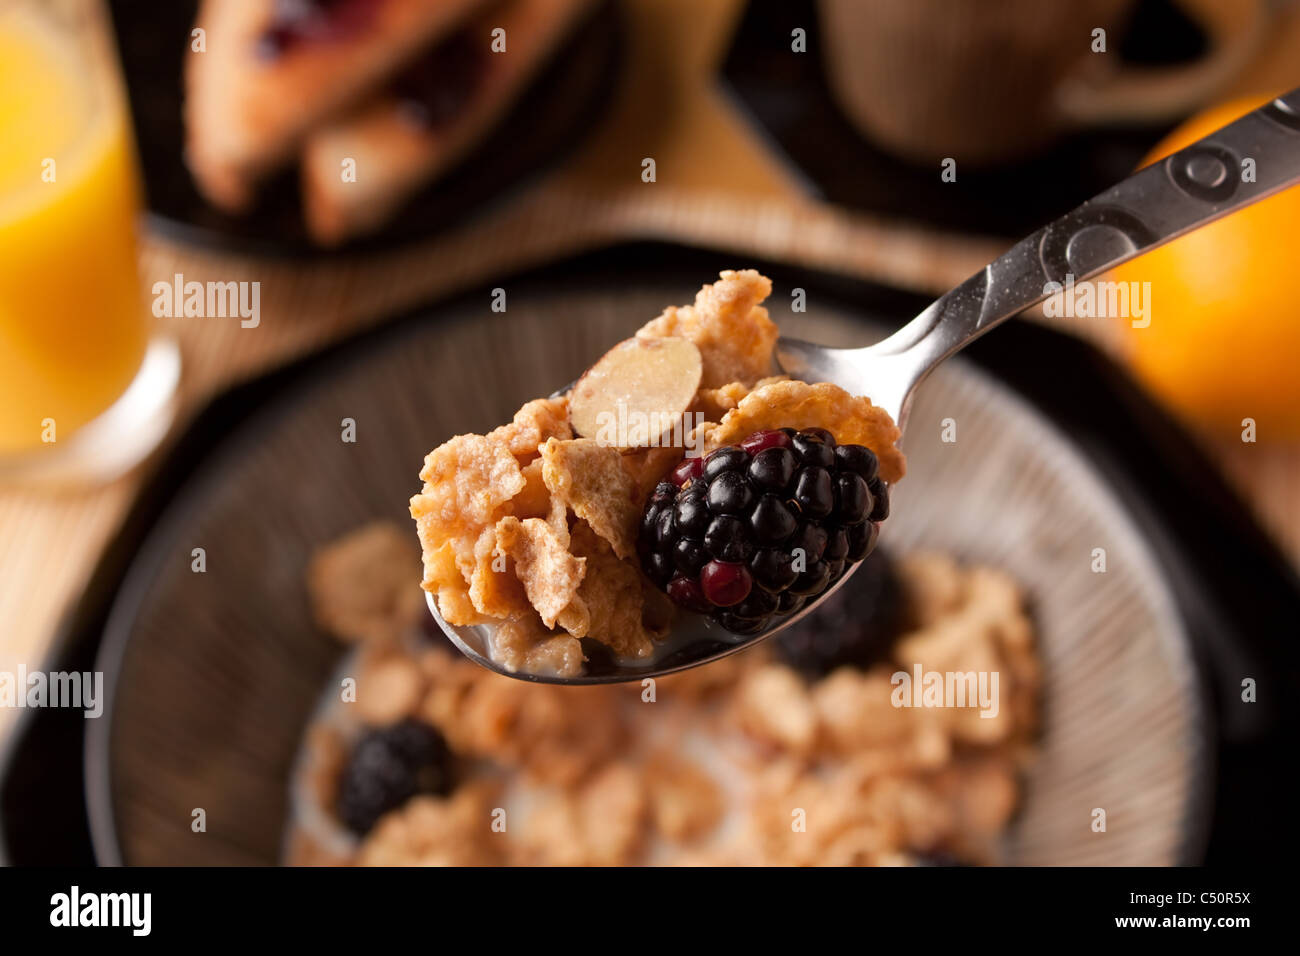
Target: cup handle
x=1126 y=94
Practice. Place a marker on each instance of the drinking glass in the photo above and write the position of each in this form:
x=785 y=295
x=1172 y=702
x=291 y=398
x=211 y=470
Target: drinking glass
x=86 y=387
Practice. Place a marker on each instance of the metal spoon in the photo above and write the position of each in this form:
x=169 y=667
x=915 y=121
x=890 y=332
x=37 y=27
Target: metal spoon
x=1196 y=185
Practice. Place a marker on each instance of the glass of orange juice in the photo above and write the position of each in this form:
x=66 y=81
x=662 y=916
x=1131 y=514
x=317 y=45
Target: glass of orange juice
x=86 y=388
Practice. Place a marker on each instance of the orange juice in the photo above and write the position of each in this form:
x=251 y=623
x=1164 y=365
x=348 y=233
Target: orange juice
x=73 y=323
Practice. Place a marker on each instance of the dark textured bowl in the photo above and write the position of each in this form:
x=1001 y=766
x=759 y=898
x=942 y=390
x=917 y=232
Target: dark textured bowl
x=213 y=675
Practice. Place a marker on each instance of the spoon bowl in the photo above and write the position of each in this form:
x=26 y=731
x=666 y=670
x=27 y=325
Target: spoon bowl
x=695 y=640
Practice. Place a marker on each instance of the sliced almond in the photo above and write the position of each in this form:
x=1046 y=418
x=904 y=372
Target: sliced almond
x=637 y=392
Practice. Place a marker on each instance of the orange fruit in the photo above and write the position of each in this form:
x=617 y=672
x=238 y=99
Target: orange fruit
x=1223 y=342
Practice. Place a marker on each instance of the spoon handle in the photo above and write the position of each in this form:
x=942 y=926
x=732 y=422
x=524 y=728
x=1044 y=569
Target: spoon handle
x=1239 y=164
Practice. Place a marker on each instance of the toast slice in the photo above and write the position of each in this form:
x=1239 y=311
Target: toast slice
x=262 y=82
x=397 y=149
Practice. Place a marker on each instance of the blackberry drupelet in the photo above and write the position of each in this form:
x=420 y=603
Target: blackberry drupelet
x=388 y=766
x=756 y=530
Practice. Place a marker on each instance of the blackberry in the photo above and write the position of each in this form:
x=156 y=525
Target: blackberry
x=756 y=530
x=855 y=627
x=387 y=767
